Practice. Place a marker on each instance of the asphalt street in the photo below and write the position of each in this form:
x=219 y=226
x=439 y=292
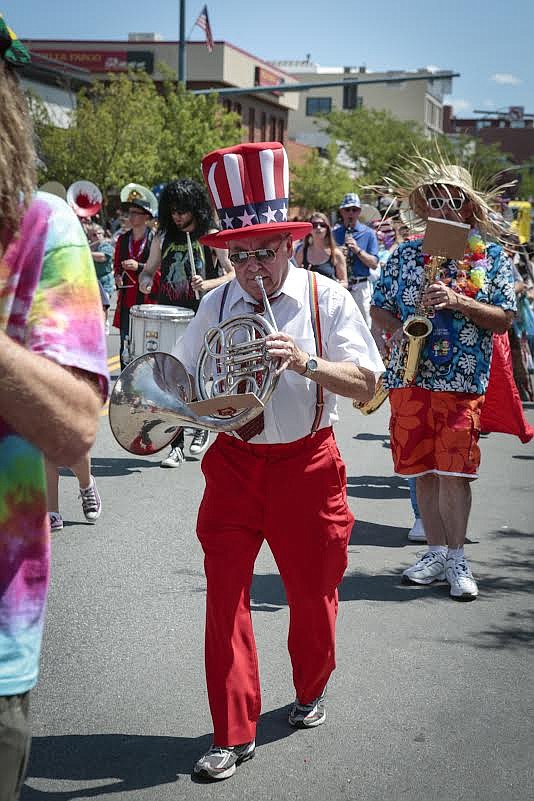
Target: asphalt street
x=431 y=699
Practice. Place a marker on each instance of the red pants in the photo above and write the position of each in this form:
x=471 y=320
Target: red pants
x=294 y=496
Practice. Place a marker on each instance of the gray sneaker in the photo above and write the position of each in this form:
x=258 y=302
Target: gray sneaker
x=200 y=441
x=220 y=763
x=174 y=459
x=91 y=503
x=56 y=521
x=307 y=716
x=463 y=585
x=430 y=567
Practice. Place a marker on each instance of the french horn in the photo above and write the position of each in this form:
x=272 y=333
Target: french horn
x=235 y=378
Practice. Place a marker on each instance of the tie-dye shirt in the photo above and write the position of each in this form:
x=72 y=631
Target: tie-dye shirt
x=49 y=302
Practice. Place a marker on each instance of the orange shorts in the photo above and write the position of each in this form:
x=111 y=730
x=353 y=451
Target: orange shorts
x=435 y=432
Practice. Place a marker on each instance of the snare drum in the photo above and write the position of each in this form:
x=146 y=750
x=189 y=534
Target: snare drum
x=156 y=328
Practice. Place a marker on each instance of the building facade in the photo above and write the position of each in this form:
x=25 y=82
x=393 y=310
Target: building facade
x=415 y=100
x=264 y=115
x=512 y=130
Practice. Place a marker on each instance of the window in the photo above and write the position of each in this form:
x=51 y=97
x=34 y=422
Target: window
x=350 y=96
x=251 y=124
x=227 y=105
x=272 y=130
x=263 y=127
x=318 y=105
x=281 y=131
x=237 y=108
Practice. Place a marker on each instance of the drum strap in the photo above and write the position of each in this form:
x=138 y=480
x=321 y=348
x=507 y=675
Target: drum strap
x=316 y=325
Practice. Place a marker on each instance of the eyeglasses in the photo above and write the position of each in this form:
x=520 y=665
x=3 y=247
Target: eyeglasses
x=318 y=225
x=350 y=208
x=263 y=255
x=437 y=203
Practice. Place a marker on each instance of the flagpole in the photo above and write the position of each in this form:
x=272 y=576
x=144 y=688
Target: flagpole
x=181 y=46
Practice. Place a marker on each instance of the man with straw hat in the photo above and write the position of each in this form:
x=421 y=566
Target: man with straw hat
x=435 y=422
x=281 y=479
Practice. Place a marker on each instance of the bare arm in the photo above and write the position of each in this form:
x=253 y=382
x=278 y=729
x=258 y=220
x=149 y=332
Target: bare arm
x=385 y=320
x=54 y=408
x=342 y=378
x=340 y=265
x=204 y=285
x=146 y=277
x=492 y=318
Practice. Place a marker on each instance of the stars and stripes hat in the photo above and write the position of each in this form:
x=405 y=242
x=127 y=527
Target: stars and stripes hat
x=249 y=186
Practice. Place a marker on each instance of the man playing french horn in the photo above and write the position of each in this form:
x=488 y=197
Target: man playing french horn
x=281 y=478
x=435 y=418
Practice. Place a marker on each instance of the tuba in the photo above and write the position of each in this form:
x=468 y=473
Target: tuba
x=84 y=198
x=234 y=379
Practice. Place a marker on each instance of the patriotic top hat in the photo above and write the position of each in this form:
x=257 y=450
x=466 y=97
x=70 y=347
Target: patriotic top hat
x=249 y=186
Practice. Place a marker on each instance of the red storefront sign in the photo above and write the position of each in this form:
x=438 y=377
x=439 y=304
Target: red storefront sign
x=100 y=60
x=263 y=77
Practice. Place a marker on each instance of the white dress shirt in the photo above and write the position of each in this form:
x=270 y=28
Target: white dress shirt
x=290 y=412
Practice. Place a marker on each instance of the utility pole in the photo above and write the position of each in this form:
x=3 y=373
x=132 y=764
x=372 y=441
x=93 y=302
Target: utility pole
x=181 y=45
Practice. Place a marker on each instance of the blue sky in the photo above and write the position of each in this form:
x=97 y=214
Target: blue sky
x=489 y=43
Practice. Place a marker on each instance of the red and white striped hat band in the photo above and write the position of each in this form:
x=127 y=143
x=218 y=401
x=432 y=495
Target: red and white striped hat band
x=249 y=186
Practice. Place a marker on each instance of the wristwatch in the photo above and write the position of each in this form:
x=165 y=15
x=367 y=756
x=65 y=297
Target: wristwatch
x=311 y=367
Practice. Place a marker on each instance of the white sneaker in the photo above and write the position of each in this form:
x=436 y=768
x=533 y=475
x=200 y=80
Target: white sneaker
x=200 y=441
x=431 y=567
x=463 y=585
x=417 y=531
x=174 y=459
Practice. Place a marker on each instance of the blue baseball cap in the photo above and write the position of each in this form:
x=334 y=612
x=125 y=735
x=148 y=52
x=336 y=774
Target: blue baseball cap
x=351 y=199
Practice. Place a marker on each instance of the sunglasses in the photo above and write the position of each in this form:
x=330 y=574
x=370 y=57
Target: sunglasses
x=263 y=255
x=350 y=208
x=438 y=203
x=319 y=225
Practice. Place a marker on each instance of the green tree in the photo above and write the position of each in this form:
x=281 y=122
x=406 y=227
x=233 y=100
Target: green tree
x=124 y=130
x=193 y=125
x=112 y=138
x=319 y=183
x=374 y=140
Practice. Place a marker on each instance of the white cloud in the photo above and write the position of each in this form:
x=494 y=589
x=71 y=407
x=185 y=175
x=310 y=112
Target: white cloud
x=489 y=103
x=461 y=106
x=506 y=79
x=433 y=68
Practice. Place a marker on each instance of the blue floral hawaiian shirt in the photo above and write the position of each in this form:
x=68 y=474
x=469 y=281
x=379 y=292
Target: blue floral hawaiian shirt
x=457 y=354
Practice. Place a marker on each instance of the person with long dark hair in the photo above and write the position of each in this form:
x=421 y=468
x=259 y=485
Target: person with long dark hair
x=184 y=212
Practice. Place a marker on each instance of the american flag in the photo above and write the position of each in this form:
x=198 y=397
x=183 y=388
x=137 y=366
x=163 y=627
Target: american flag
x=204 y=23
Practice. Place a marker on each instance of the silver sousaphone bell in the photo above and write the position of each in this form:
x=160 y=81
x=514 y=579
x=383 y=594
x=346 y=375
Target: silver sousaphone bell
x=234 y=379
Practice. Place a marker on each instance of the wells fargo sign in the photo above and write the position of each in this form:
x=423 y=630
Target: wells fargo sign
x=101 y=60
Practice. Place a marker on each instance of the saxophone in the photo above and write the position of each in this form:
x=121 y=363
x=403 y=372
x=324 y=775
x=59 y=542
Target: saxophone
x=417 y=329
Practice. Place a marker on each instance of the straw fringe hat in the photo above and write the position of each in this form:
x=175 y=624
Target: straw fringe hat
x=411 y=182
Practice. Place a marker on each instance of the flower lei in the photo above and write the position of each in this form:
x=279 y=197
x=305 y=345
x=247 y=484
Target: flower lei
x=471 y=270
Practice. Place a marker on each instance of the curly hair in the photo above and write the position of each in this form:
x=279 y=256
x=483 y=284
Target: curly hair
x=185 y=195
x=17 y=155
